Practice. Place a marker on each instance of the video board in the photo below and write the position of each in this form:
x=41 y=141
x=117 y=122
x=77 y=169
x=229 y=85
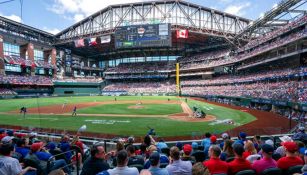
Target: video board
x=138 y=36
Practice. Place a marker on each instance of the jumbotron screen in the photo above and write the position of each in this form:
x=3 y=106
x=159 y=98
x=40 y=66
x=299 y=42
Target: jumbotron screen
x=149 y=35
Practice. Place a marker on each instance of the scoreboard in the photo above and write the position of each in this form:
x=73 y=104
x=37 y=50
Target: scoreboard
x=149 y=35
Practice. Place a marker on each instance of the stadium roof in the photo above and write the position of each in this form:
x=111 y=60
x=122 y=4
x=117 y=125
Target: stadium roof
x=12 y=29
x=281 y=14
x=147 y=3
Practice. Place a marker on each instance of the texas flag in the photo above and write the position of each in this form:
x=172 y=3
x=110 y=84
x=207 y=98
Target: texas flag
x=182 y=33
x=93 y=42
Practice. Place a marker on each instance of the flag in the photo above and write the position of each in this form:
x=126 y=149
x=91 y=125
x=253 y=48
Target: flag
x=182 y=33
x=105 y=39
x=79 y=43
x=93 y=42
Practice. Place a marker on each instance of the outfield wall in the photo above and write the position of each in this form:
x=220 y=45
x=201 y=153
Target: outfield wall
x=241 y=101
x=76 y=88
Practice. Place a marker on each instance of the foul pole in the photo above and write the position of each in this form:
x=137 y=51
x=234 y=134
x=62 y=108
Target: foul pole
x=177 y=80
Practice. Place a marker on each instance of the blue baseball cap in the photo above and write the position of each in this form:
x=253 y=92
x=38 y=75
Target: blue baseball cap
x=10 y=133
x=242 y=135
x=194 y=145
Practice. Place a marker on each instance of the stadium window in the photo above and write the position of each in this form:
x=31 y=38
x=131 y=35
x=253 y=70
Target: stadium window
x=11 y=49
x=156 y=59
x=12 y=68
x=38 y=55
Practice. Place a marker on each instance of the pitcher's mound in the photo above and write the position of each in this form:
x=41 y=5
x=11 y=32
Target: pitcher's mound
x=136 y=107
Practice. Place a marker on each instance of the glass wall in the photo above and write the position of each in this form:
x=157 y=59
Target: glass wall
x=38 y=55
x=11 y=49
x=115 y=62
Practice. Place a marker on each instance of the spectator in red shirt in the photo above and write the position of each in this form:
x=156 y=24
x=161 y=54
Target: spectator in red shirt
x=215 y=164
x=291 y=158
x=239 y=163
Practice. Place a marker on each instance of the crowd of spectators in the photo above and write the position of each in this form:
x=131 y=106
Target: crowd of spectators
x=13 y=59
x=206 y=56
x=92 y=79
x=137 y=75
x=293 y=91
x=248 y=77
x=143 y=87
x=25 y=80
x=140 y=67
x=44 y=64
x=4 y=92
x=28 y=154
x=275 y=33
x=207 y=63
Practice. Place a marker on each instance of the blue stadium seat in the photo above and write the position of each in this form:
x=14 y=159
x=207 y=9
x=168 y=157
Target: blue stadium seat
x=295 y=169
x=246 y=172
x=272 y=171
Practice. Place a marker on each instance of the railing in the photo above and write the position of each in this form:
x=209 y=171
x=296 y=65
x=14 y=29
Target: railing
x=68 y=166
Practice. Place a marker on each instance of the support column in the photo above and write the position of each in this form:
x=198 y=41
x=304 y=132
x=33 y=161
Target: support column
x=2 y=68
x=27 y=52
x=52 y=55
x=53 y=61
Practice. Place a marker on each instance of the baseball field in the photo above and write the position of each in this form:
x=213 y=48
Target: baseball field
x=107 y=116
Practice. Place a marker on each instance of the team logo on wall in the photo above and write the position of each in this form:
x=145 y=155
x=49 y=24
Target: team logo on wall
x=141 y=31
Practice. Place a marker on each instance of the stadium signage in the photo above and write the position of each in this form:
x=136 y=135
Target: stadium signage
x=139 y=36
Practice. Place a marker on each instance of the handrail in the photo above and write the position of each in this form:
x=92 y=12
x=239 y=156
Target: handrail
x=52 y=158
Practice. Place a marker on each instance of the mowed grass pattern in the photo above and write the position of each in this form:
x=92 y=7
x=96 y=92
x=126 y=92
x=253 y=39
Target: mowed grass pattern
x=122 y=126
x=148 y=109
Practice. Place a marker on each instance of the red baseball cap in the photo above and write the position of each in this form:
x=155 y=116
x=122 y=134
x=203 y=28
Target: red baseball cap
x=187 y=149
x=36 y=146
x=290 y=146
x=21 y=135
x=213 y=139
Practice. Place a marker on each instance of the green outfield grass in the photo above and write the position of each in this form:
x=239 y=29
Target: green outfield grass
x=149 y=109
x=123 y=126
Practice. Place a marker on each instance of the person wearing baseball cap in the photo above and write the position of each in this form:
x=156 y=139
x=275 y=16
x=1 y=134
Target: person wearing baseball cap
x=267 y=161
x=224 y=136
x=7 y=139
x=291 y=158
x=300 y=134
x=38 y=155
x=241 y=138
x=187 y=149
x=154 y=168
x=213 y=140
x=281 y=150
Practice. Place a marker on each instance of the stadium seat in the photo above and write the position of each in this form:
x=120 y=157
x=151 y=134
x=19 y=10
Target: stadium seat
x=246 y=172
x=17 y=156
x=34 y=164
x=295 y=169
x=272 y=171
x=229 y=159
x=199 y=156
x=163 y=165
x=138 y=166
